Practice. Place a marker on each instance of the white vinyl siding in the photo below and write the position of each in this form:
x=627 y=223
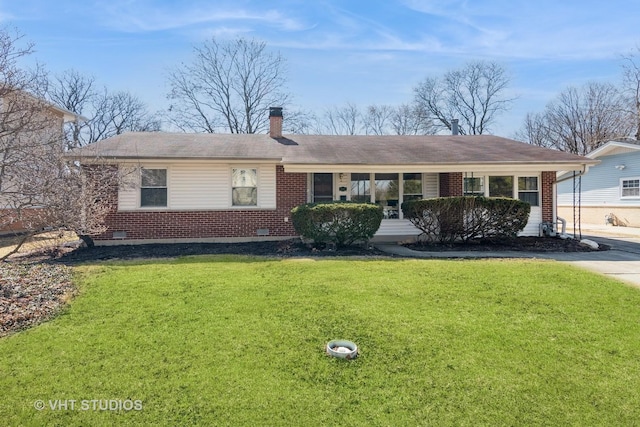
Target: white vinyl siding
x=199 y=186
x=430 y=185
x=267 y=187
x=203 y=186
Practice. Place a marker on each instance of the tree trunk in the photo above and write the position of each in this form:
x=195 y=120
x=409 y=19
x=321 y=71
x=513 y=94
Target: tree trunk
x=87 y=240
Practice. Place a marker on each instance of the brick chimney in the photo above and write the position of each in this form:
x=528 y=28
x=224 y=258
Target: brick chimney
x=275 y=122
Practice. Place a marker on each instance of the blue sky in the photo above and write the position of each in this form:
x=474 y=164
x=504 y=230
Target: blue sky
x=339 y=51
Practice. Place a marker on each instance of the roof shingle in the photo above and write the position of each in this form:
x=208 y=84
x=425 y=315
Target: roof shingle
x=327 y=149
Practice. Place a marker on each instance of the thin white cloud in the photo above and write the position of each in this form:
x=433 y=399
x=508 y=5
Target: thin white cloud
x=140 y=17
x=526 y=29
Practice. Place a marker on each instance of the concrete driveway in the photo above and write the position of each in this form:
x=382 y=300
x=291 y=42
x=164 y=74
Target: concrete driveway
x=622 y=262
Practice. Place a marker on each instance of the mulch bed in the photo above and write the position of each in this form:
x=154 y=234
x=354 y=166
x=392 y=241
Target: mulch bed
x=32 y=293
x=35 y=286
x=296 y=248
x=518 y=244
x=280 y=249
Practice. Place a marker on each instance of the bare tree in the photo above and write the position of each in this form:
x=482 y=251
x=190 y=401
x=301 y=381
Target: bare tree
x=74 y=92
x=404 y=119
x=345 y=120
x=104 y=113
x=119 y=112
x=473 y=94
x=377 y=119
x=411 y=120
x=299 y=122
x=39 y=187
x=229 y=86
x=631 y=86
x=580 y=119
x=534 y=131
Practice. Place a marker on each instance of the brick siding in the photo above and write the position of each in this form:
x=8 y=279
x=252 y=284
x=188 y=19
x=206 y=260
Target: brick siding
x=451 y=184
x=548 y=178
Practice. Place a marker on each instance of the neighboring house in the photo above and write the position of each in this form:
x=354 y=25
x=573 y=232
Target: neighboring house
x=610 y=192
x=27 y=124
x=214 y=187
x=15 y=105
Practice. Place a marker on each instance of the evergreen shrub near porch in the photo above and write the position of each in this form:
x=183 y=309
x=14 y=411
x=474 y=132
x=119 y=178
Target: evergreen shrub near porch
x=448 y=219
x=341 y=223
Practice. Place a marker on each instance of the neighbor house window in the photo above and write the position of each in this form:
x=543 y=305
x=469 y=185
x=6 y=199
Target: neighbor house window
x=630 y=187
x=528 y=189
x=501 y=186
x=412 y=186
x=153 y=188
x=474 y=186
x=361 y=187
x=244 y=187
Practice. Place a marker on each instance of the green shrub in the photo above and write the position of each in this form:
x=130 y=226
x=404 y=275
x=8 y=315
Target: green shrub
x=340 y=223
x=447 y=219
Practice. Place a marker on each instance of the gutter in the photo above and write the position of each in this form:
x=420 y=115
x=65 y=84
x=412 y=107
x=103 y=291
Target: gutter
x=585 y=168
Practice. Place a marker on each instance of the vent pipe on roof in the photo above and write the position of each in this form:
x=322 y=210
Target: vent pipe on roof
x=454 y=127
x=275 y=122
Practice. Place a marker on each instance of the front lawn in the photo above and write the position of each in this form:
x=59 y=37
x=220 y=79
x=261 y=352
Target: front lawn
x=239 y=341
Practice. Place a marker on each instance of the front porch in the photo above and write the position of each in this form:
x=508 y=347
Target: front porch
x=391 y=189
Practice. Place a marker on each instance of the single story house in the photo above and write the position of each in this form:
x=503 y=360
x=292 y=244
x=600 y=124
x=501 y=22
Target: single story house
x=215 y=187
x=610 y=192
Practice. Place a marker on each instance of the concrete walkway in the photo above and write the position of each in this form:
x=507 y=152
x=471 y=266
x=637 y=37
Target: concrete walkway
x=622 y=262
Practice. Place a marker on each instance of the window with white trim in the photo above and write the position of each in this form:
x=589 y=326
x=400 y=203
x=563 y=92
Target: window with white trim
x=153 y=188
x=361 y=187
x=473 y=186
x=411 y=186
x=630 y=188
x=244 y=187
x=501 y=186
x=528 y=189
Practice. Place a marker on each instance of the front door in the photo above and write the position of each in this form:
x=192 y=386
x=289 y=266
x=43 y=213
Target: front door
x=322 y=187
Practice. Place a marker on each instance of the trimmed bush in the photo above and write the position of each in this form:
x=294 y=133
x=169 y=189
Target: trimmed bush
x=447 y=219
x=340 y=223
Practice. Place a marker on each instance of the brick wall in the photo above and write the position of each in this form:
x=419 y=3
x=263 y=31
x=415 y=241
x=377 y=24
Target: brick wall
x=548 y=178
x=290 y=191
x=451 y=184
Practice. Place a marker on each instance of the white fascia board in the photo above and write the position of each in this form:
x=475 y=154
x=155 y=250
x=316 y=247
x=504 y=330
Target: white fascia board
x=490 y=168
x=173 y=161
x=611 y=147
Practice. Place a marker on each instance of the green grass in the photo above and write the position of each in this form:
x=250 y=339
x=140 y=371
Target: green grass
x=239 y=341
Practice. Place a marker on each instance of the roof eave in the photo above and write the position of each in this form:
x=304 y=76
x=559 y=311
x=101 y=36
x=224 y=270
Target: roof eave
x=610 y=146
x=128 y=159
x=441 y=167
